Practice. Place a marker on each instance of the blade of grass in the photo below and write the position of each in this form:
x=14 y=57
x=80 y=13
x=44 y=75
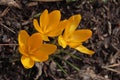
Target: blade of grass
x=71 y=54
x=105 y=1
x=61 y=68
x=70 y=1
x=37 y=15
x=76 y=68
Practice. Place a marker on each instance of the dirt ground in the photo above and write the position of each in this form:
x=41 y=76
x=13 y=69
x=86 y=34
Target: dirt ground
x=101 y=16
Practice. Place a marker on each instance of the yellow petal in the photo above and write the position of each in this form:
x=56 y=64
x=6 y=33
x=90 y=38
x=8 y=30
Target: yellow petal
x=22 y=40
x=27 y=62
x=39 y=58
x=45 y=37
x=73 y=24
x=37 y=26
x=43 y=52
x=73 y=44
x=83 y=49
x=23 y=50
x=34 y=42
x=54 y=19
x=62 y=42
x=48 y=49
x=80 y=35
x=44 y=20
x=75 y=20
x=59 y=29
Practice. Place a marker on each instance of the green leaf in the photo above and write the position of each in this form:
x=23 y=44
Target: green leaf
x=61 y=68
x=70 y=1
x=37 y=15
x=72 y=65
x=105 y=1
x=73 y=56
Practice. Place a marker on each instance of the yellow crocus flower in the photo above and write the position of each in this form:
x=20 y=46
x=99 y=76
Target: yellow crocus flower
x=33 y=49
x=49 y=24
x=73 y=37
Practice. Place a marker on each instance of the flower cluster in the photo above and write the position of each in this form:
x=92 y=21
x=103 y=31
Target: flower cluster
x=34 y=49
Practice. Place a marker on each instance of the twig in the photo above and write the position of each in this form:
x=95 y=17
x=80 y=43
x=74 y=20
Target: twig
x=114 y=65
x=117 y=54
x=115 y=47
x=110 y=69
x=8 y=44
x=4 y=12
x=7 y=28
x=109 y=28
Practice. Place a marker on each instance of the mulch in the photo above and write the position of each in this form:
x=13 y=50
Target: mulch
x=101 y=16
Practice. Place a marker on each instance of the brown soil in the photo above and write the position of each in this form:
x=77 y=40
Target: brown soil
x=102 y=17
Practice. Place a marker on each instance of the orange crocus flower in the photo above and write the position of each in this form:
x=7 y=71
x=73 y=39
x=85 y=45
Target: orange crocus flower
x=33 y=49
x=49 y=24
x=74 y=38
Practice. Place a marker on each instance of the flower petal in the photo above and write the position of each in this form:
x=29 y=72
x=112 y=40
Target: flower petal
x=39 y=58
x=44 y=20
x=37 y=26
x=74 y=44
x=83 y=49
x=59 y=29
x=54 y=19
x=80 y=35
x=45 y=37
x=23 y=50
x=22 y=40
x=27 y=62
x=73 y=24
x=43 y=52
x=62 y=42
x=48 y=49
x=34 y=42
